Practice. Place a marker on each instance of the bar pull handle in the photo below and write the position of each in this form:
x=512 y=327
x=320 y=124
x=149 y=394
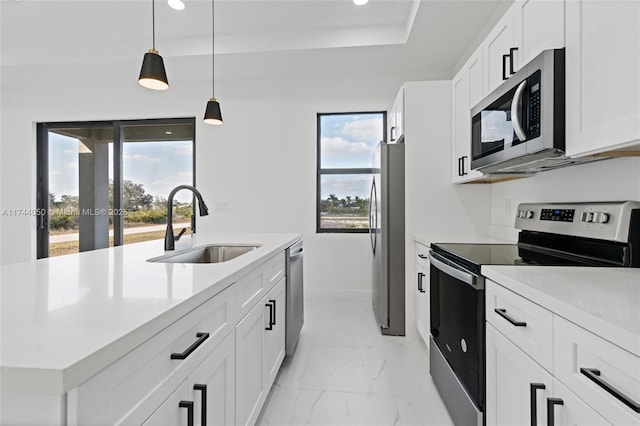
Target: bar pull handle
x=511 y=52
x=503 y=314
x=183 y=355
x=551 y=403
x=422 y=256
x=393 y=133
x=593 y=374
x=459 y=166
x=189 y=406
x=272 y=311
x=420 y=277
x=462 y=161
x=504 y=66
x=203 y=403
x=534 y=387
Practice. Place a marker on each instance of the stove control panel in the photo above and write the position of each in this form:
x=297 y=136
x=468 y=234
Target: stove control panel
x=600 y=220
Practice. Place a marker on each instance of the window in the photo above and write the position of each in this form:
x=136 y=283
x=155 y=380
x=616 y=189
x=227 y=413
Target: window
x=346 y=143
x=103 y=184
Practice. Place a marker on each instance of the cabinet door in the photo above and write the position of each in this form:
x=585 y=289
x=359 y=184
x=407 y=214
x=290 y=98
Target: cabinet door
x=539 y=25
x=602 y=75
x=170 y=413
x=466 y=90
x=396 y=120
x=422 y=301
x=249 y=370
x=275 y=333
x=510 y=374
x=212 y=386
x=572 y=410
x=498 y=43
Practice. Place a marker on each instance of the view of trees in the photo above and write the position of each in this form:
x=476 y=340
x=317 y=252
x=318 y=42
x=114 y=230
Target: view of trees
x=139 y=206
x=347 y=205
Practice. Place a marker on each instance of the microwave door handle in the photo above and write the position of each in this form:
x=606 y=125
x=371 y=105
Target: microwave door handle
x=515 y=118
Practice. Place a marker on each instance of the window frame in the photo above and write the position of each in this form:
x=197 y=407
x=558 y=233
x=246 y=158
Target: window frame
x=42 y=172
x=340 y=171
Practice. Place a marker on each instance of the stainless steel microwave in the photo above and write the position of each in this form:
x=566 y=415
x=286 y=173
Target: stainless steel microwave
x=520 y=126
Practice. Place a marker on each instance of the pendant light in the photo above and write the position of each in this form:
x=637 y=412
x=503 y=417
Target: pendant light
x=152 y=73
x=212 y=114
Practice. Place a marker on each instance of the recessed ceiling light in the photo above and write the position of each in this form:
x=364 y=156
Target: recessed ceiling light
x=168 y=132
x=176 y=4
x=360 y=2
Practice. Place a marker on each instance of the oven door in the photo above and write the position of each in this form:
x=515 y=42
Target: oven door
x=457 y=322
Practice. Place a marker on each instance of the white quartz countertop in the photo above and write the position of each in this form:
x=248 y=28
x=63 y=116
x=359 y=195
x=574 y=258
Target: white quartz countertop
x=71 y=316
x=605 y=301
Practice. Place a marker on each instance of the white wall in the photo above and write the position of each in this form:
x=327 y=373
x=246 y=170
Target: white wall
x=608 y=180
x=261 y=162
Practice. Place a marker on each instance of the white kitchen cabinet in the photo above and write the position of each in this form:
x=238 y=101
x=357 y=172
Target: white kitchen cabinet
x=466 y=91
x=602 y=76
x=515 y=382
x=568 y=409
x=422 y=292
x=395 y=120
x=498 y=56
x=259 y=353
x=538 y=25
x=212 y=386
x=170 y=412
x=274 y=337
x=208 y=392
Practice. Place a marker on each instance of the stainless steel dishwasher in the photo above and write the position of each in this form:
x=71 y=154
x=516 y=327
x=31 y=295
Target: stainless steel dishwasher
x=295 y=296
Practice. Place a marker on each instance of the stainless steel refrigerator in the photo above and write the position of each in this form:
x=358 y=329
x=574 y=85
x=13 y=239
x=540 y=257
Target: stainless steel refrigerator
x=386 y=225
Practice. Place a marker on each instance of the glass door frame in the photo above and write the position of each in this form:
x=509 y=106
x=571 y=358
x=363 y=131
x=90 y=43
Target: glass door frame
x=42 y=172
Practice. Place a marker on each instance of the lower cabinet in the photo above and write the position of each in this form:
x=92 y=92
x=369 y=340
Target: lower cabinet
x=206 y=397
x=567 y=409
x=422 y=292
x=259 y=353
x=517 y=387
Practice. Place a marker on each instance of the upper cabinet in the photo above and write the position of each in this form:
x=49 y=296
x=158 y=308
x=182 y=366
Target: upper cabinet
x=466 y=91
x=500 y=52
x=395 y=119
x=602 y=76
x=538 y=25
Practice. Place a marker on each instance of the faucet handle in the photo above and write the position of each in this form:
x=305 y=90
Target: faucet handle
x=177 y=237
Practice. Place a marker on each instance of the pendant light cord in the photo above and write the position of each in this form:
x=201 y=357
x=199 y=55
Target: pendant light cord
x=213 y=59
x=153 y=22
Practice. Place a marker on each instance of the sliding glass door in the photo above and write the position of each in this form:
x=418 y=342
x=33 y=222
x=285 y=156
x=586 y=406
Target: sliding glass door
x=105 y=183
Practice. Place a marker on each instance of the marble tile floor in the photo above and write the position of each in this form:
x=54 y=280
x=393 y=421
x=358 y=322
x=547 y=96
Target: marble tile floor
x=344 y=372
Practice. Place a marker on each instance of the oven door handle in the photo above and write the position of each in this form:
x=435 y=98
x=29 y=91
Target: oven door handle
x=450 y=269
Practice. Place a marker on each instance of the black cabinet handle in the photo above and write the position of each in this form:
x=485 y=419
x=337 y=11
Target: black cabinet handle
x=203 y=403
x=504 y=66
x=459 y=166
x=420 y=276
x=189 y=406
x=183 y=355
x=422 y=256
x=593 y=374
x=393 y=133
x=511 y=52
x=272 y=314
x=503 y=314
x=552 y=402
x=462 y=162
x=534 y=387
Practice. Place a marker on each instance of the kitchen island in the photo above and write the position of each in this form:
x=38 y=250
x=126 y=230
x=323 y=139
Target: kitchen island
x=67 y=321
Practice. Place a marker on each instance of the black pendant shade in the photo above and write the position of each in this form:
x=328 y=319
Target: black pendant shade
x=213 y=115
x=152 y=74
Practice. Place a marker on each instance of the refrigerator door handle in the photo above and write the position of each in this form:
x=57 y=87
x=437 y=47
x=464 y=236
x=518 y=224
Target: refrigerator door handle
x=372 y=217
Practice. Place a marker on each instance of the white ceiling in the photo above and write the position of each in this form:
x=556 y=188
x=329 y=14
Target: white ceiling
x=429 y=36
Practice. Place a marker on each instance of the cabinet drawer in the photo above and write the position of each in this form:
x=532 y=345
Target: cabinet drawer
x=253 y=286
x=128 y=390
x=578 y=352
x=421 y=256
x=526 y=324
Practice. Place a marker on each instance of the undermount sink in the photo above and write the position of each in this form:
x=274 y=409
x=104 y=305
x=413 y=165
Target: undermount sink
x=214 y=253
